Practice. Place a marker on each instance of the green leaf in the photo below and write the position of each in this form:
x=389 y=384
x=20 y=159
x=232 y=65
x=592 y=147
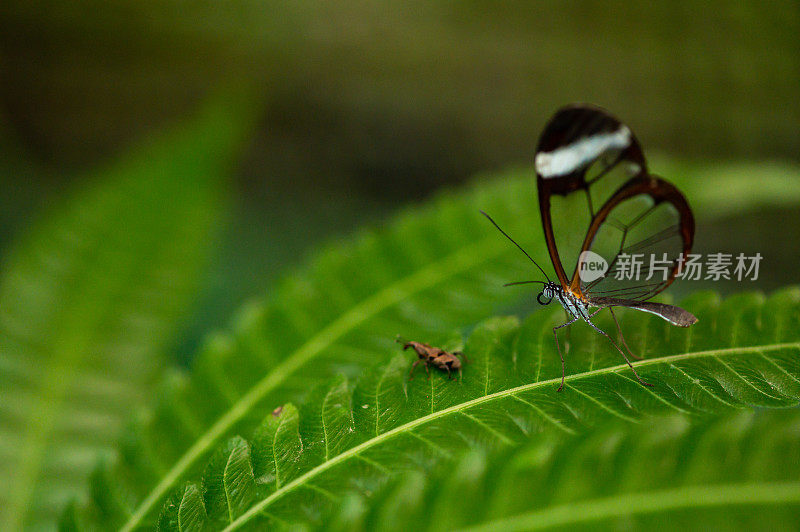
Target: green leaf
x=738 y=472
x=433 y=270
x=279 y=447
x=89 y=301
x=732 y=358
x=229 y=482
x=185 y=511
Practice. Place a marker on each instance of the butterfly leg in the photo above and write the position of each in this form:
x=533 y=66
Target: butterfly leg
x=621 y=337
x=601 y=331
x=555 y=334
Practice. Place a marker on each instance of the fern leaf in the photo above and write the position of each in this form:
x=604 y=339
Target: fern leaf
x=737 y=472
x=433 y=270
x=88 y=301
x=279 y=446
x=733 y=358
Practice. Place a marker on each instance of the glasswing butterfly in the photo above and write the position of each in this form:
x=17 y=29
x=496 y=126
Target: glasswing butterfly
x=590 y=167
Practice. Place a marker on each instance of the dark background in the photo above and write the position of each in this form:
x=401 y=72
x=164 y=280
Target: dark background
x=370 y=105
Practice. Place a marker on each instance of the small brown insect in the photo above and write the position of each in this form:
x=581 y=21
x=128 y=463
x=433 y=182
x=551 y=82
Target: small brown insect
x=435 y=356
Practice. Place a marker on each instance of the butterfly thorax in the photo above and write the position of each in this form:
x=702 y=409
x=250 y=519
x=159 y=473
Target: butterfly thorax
x=576 y=305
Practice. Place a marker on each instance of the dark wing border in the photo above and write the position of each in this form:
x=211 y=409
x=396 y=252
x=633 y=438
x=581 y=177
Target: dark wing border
x=570 y=125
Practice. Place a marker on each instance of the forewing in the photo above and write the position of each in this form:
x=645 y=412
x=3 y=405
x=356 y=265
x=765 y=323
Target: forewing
x=583 y=157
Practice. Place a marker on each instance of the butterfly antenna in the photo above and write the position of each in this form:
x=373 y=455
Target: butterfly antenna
x=523 y=282
x=514 y=242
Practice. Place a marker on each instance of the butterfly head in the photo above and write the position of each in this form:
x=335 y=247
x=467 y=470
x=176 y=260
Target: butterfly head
x=549 y=291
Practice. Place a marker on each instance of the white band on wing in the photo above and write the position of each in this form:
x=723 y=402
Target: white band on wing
x=567 y=159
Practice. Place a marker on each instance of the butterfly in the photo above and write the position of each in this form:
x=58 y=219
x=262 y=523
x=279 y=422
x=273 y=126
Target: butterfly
x=590 y=167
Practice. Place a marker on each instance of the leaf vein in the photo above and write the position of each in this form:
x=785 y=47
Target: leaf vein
x=741 y=377
x=779 y=367
x=654 y=394
x=500 y=436
x=697 y=382
x=604 y=406
x=544 y=414
x=355 y=451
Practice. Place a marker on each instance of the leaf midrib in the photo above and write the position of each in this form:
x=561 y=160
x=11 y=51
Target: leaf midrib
x=459 y=261
x=640 y=503
x=68 y=350
x=355 y=451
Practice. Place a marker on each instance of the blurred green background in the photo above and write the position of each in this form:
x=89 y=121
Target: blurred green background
x=366 y=106
x=359 y=108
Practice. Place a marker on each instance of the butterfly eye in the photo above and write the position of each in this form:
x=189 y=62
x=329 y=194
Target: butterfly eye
x=539 y=299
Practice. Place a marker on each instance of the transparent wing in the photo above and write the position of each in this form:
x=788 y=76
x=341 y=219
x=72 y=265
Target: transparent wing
x=600 y=205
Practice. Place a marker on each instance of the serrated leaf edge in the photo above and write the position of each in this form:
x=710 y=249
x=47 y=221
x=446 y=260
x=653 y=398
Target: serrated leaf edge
x=355 y=451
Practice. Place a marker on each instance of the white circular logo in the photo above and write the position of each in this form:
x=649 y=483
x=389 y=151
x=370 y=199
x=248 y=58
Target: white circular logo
x=591 y=266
